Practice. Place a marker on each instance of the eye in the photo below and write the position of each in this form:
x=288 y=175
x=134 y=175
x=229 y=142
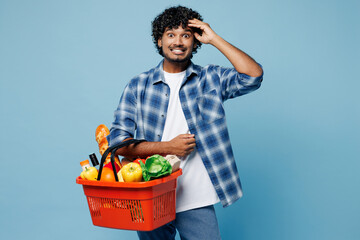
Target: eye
x=170 y=35
x=186 y=35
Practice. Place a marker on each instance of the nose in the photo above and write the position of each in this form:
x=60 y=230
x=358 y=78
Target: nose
x=178 y=41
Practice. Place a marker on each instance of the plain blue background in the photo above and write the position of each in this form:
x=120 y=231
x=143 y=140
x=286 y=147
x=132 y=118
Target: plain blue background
x=64 y=64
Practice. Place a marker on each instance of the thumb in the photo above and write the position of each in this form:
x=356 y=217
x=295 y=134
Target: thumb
x=197 y=35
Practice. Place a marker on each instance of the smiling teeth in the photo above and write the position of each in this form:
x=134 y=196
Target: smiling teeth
x=177 y=51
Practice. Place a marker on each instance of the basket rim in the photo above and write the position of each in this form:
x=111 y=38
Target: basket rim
x=151 y=183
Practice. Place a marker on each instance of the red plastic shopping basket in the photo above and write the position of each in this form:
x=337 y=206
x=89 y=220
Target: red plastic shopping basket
x=141 y=206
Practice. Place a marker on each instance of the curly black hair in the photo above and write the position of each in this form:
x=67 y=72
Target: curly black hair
x=171 y=18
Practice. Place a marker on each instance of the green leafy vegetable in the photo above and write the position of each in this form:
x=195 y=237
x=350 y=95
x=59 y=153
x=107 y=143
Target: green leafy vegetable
x=155 y=166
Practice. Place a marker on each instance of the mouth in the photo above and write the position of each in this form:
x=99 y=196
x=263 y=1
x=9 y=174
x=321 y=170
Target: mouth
x=178 y=51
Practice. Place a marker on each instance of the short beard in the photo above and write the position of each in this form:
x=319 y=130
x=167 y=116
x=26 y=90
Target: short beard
x=179 y=60
x=188 y=58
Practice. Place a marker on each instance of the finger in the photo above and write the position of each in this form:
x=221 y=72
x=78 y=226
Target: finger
x=190 y=137
x=187 y=135
x=189 y=151
x=201 y=27
x=196 y=25
x=195 y=20
x=192 y=146
x=190 y=142
x=197 y=36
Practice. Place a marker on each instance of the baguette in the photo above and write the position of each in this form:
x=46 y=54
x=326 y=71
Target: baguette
x=101 y=132
x=100 y=136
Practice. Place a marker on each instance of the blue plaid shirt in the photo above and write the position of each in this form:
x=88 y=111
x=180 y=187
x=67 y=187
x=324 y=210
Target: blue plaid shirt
x=143 y=106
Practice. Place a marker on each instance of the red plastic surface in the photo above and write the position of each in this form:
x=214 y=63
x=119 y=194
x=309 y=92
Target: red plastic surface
x=141 y=206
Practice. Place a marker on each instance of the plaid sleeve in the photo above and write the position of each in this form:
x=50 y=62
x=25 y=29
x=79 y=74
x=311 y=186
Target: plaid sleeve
x=124 y=124
x=234 y=84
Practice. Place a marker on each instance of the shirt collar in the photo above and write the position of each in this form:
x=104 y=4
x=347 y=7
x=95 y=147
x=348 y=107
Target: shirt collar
x=158 y=75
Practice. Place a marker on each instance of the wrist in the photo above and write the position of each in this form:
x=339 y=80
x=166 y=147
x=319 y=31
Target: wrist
x=166 y=148
x=216 y=40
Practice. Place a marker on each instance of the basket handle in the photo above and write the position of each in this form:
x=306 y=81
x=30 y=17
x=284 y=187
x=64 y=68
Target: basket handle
x=113 y=150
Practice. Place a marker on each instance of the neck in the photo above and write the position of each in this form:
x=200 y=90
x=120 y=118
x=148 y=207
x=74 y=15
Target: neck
x=175 y=67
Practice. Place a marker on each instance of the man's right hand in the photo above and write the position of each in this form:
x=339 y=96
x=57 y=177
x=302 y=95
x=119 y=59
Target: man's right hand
x=182 y=145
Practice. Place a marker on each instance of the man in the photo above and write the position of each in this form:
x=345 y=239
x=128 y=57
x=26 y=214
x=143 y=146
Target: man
x=178 y=108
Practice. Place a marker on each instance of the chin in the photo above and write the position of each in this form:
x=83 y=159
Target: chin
x=178 y=60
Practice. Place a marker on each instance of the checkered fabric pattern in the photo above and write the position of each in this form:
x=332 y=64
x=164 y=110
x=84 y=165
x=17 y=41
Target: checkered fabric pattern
x=142 y=109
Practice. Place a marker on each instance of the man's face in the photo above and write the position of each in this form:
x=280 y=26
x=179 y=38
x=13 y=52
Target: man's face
x=177 y=44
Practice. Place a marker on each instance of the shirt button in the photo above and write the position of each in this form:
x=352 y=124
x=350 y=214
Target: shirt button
x=162 y=115
x=166 y=94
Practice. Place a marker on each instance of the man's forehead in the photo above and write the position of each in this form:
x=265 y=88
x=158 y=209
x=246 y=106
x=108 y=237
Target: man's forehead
x=177 y=27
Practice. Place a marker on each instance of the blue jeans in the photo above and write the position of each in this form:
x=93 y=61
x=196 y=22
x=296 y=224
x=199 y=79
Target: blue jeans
x=199 y=223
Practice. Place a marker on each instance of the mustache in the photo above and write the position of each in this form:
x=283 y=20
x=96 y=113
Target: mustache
x=181 y=47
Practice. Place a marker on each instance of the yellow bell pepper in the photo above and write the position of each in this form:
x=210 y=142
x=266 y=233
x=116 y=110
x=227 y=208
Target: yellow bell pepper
x=90 y=173
x=131 y=172
x=121 y=179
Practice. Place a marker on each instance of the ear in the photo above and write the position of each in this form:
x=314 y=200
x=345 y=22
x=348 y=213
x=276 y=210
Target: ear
x=159 y=42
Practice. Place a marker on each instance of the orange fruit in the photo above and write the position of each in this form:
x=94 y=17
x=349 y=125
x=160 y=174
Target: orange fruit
x=107 y=175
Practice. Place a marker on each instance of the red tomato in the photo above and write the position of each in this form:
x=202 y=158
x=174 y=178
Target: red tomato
x=138 y=161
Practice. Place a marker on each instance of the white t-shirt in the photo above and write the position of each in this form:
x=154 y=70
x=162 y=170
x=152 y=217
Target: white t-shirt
x=194 y=187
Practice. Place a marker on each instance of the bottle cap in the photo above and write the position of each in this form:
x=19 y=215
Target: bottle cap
x=94 y=159
x=85 y=162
